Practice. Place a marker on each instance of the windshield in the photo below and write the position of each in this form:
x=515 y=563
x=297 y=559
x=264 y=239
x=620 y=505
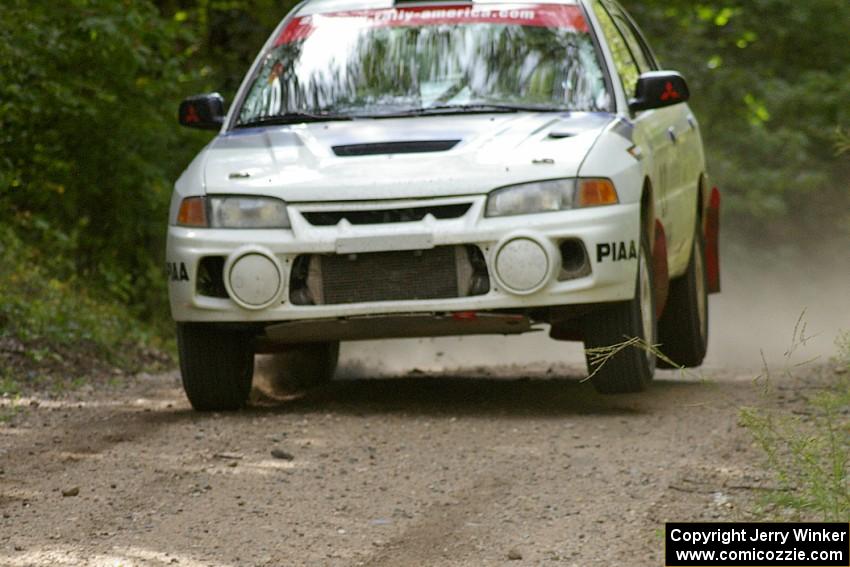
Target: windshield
x=387 y=62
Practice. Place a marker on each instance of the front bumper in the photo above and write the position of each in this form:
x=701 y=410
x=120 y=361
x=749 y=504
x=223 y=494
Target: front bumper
x=603 y=231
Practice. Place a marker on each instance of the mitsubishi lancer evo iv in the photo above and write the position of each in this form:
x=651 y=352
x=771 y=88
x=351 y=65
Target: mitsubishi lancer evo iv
x=422 y=169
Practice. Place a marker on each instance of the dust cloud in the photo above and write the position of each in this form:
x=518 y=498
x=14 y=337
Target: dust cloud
x=777 y=307
x=763 y=299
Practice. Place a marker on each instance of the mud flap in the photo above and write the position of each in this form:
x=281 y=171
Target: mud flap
x=712 y=241
x=660 y=269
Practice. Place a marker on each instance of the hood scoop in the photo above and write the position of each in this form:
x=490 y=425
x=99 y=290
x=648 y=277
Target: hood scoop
x=385 y=148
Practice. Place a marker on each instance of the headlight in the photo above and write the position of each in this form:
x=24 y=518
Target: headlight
x=248 y=212
x=233 y=212
x=549 y=196
x=538 y=197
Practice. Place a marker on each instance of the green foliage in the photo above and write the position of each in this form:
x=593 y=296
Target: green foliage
x=842 y=141
x=37 y=308
x=809 y=455
x=226 y=36
x=770 y=81
x=62 y=326
x=89 y=146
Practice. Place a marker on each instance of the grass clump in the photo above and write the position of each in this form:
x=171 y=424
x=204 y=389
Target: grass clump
x=808 y=449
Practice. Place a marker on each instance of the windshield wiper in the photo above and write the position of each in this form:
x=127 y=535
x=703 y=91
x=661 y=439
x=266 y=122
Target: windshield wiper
x=292 y=118
x=482 y=108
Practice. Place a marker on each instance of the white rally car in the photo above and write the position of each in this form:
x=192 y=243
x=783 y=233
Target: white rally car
x=406 y=169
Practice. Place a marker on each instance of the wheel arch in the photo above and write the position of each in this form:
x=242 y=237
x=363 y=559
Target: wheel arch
x=647 y=209
x=703 y=195
x=657 y=238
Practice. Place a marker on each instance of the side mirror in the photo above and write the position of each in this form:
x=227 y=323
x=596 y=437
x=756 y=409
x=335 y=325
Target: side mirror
x=205 y=112
x=658 y=89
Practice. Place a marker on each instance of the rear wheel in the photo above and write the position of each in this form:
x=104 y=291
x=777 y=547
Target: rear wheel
x=216 y=364
x=302 y=367
x=617 y=339
x=683 y=328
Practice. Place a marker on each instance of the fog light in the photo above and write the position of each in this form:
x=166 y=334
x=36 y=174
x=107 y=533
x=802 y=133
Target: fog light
x=522 y=265
x=254 y=280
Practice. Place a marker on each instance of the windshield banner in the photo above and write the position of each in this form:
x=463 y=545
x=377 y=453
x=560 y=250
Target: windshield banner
x=537 y=15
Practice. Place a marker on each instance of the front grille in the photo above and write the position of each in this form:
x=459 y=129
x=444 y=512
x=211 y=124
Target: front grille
x=385 y=148
x=440 y=212
x=440 y=273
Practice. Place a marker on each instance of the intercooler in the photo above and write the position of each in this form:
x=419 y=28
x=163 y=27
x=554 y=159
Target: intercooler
x=438 y=273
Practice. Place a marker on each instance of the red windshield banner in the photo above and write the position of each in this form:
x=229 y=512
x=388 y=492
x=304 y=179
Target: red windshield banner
x=537 y=15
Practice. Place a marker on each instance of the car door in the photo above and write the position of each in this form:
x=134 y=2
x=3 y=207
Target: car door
x=652 y=127
x=685 y=155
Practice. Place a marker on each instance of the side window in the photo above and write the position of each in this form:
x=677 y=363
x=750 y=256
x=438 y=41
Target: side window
x=647 y=51
x=637 y=45
x=627 y=66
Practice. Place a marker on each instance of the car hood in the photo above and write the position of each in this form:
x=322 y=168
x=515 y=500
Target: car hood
x=399 y=158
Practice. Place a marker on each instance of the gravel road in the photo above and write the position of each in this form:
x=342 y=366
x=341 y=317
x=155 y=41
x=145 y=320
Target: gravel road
x=494 y=466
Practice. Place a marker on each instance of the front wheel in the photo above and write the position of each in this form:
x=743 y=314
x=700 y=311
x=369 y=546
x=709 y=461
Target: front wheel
x=618 y=340
x=216 y=364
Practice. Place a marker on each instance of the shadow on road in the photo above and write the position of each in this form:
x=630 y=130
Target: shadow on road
x=443 y=395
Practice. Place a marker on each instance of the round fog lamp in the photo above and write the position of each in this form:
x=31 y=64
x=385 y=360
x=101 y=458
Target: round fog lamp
x=254 y=281
x=522 y=265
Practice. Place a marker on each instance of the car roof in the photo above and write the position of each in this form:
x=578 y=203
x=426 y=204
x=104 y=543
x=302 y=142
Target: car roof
x=324 y=6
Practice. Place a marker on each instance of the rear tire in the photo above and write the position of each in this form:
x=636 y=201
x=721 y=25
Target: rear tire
x=217 y=366
x=683 y=327
x=303 y=367
x=632 y=368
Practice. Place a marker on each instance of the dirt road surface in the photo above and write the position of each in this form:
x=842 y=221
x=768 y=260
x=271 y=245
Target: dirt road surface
x=481 y=469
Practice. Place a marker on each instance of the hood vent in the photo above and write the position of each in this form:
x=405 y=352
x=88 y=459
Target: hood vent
x=561 y=134
x=383 y=148
x=414 y=214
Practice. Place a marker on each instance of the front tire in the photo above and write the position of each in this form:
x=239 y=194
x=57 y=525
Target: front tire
x=624 y=369
x=683 y=328
x=217 y=366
